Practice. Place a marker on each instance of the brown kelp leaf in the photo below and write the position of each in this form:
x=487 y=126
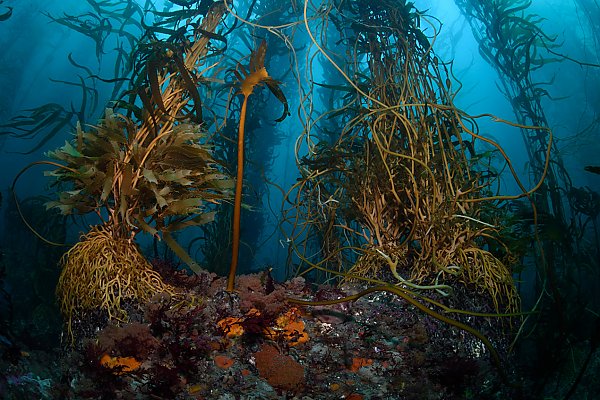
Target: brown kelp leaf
x=176 y=175
x=123 y=206
x=190 y=85
x=65 y=209
x=185 y=206
x=71 y=151
x=152 y=69
x=145 y=227
x=257 y=58
x=127 y=188
x=160 y=200
x=149 y=175
x=198 y=220
x=223 y=184
x=273 y=86
x=108 y=182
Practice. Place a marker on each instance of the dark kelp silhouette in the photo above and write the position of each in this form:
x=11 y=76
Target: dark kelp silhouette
x=592 y=168
x=7 y=14
x=41 y=123
x=511 y=40
x=90 y=25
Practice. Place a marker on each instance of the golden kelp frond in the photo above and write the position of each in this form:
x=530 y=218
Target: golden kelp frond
x=257 y=75
x=172 y=175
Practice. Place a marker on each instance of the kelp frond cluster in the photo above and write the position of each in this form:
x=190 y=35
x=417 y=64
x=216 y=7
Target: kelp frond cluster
x=400 y=193
x=160 y=184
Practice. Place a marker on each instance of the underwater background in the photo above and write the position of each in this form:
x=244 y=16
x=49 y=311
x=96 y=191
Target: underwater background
x=417 y=217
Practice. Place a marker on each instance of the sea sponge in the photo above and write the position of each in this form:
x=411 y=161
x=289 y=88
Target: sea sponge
x=279 y=370
x=292 y=327
x=120 y=365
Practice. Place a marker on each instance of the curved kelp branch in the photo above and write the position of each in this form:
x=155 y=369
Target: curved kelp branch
x=258 y=75
x=16 y=199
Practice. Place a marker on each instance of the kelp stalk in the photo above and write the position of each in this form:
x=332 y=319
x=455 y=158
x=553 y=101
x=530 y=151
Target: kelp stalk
x=257 y=76
x=237 y=203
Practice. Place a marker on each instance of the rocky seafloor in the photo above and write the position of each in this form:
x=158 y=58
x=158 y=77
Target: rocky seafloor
x=254 y=344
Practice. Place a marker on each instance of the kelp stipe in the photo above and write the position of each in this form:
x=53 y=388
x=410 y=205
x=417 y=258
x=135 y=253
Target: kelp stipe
x=256 y=76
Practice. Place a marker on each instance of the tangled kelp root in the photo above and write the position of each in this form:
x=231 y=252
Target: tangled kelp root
x=471 y=265
x=101 y=271
x=488 y=273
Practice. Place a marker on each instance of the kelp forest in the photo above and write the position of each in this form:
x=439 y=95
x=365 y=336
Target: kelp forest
x=286 y=199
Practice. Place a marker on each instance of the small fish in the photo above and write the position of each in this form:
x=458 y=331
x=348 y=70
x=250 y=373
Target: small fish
x=593 y=169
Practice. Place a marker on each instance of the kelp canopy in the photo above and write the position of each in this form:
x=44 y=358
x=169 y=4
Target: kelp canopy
x=398 y=193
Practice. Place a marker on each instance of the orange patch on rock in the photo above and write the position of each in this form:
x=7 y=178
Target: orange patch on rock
x=292 y=327
x=359 y=362
x=231 y=326
x=280 y=370
x=223 y=362
x=120 y=365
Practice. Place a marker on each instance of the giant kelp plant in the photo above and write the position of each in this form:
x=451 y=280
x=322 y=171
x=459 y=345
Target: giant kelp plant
x=402 y=194
x=257 y=75
x=151 y=175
